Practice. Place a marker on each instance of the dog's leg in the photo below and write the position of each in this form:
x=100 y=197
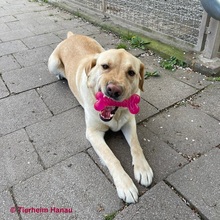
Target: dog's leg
x=55 y=66
x=142 y=171
x=125 y=187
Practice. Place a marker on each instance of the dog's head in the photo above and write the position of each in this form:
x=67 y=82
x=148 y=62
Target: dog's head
x=116 y=73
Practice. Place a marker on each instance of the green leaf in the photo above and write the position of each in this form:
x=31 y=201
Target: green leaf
x=172 y=63
x=151 y=74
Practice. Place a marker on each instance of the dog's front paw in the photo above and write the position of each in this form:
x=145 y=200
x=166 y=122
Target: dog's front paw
x=143 y=172
x=126 y=189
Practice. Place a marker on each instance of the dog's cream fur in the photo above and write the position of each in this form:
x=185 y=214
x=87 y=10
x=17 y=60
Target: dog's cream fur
x=81 y=61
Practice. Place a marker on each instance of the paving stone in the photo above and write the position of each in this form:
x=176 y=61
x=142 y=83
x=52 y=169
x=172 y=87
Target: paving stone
x=3 y=89
x=15 y=34
x=27 y=78
x=44 y=28
x=92 y=28
x=24 y=16
x=60 y=137
x=83 y=29
x=41 y=40
x=21 y=110
x=61 y=34
x=8 y=18
x=165 y=91
x=6 y=13
x=146 y=110
x=68 y=16
x=18 y=159
x=7 y=206
x=58 y=97
x=208 y=100
x=53 y=46
x=158 y=203
x=191 y=78
x=21 y=24
x=11 y=47
x=72 y=24
x=187 y=130
x=2 y=3
x=19 y=8
x=135 y=51
x=199 y=182
x=34 y=12
x=50 y=18
x=34 y=56
x=8 y=63
x=4 y=27
x=76 y=30
x=76 y=183
x=162 y=158
x=107 y=40
x=151 y=63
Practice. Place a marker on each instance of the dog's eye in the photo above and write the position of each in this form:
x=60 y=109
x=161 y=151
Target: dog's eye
x=131 y=73
x=105 y=66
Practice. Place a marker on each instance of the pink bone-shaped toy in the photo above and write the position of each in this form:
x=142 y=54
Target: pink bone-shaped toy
x=131 y=103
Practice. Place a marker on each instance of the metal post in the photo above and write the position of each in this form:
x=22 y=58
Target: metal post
x=104 y=6
x=202 y=31
x=213 y=39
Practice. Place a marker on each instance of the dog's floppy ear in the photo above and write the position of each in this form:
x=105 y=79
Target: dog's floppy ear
x=141 y=80
x=91 y=63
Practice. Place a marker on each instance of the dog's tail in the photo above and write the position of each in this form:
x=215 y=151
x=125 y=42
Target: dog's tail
x=69 y=34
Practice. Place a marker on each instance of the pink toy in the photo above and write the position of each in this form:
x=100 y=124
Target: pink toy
x=131 y=103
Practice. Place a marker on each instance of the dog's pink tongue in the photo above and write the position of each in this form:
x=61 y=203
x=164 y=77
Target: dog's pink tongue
x=106 y=113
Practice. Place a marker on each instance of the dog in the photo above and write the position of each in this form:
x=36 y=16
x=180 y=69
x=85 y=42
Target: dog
x=88 y=69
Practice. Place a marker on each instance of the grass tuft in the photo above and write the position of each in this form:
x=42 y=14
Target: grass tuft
x=110 y=216
x=213 y=79
x=138 y=42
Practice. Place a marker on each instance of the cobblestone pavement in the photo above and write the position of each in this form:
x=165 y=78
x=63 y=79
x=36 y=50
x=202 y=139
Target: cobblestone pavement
x=47 y=164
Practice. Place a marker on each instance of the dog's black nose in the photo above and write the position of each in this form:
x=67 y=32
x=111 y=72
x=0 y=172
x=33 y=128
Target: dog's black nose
x=113 y=91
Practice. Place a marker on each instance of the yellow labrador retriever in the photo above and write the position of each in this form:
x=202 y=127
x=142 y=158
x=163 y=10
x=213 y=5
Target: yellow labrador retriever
x=88 y=69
